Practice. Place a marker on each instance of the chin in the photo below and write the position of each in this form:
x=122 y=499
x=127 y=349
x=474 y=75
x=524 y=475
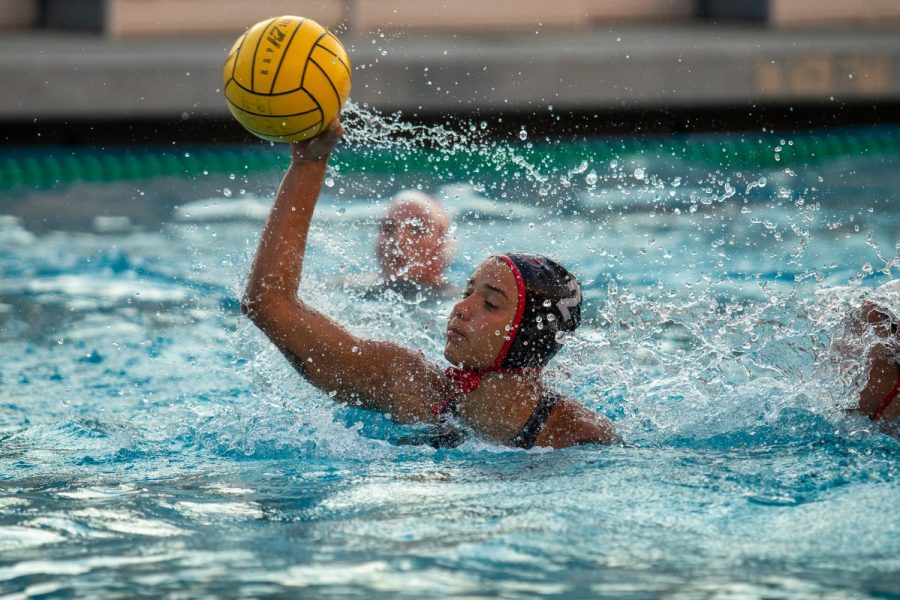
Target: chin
x=448 y=353
x=453 y=356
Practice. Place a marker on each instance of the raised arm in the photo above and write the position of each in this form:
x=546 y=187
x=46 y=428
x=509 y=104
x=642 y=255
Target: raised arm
x=379 y=375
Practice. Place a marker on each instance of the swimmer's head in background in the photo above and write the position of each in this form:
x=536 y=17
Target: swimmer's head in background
x=549 y=302
x=413 y=239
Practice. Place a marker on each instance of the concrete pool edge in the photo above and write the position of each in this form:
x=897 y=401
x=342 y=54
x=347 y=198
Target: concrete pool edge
x=57 y=76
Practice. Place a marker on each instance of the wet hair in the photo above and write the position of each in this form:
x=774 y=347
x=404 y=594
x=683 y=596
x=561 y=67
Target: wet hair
x=549 y=302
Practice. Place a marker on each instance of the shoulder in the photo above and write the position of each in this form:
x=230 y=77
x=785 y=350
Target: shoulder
x=570 y=423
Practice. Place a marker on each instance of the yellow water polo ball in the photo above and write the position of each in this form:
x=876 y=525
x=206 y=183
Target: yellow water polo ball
x=286 y=79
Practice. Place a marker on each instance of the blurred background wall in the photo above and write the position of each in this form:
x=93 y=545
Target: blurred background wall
x=73 y=67
x=124 y=18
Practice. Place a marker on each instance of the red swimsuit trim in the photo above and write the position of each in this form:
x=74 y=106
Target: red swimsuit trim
x=888 y=398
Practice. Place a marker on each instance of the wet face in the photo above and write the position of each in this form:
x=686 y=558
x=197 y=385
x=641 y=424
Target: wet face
x=480 y=323
x=411 y=243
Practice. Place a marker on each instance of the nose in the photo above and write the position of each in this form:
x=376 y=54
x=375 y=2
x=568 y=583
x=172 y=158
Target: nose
x=460 y=310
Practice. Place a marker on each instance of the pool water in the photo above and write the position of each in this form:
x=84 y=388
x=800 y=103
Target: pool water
x=153 y=443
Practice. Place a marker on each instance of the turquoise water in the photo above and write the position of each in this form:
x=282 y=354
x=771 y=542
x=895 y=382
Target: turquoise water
x=153 y=443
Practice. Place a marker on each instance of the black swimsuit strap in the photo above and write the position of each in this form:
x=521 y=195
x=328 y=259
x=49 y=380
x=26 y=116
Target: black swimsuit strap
x=444 y=433
x=528 y=435
x=450 y=408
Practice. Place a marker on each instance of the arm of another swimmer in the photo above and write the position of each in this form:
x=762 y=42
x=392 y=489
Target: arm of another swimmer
x=378 y=375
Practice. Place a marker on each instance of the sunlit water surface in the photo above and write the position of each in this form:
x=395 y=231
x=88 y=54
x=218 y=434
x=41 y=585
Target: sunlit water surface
x=152 y=442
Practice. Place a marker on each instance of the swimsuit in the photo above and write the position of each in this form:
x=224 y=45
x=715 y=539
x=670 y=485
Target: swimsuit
x=888 y=398
x=535 y=423
x=447 y=435
x=894 y=391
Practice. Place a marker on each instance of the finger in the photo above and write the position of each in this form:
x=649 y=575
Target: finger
x=335 y=129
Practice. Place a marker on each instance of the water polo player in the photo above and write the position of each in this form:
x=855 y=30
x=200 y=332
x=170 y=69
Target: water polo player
x=499 y=335
x=880 y=398
x=413 y=248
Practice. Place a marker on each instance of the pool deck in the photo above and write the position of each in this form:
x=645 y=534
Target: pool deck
x=82 y=76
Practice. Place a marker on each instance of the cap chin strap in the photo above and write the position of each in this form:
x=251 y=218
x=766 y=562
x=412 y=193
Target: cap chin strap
x=468 y=380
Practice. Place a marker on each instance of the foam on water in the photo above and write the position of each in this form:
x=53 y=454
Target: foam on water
x=152 y=441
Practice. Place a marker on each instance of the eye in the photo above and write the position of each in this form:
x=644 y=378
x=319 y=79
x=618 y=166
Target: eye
x=491 y=305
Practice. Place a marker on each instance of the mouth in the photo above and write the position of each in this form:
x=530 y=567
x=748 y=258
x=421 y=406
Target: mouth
x=455 y=334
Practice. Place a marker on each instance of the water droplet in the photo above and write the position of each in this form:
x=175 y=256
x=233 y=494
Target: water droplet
x=591 y=178
x=523 y=135
x=226 y=192
x=329 y=181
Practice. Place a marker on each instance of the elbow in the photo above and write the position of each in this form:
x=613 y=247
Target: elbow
x=258 y=307
x=270 y=311
x=250 y=303
x=248 y=307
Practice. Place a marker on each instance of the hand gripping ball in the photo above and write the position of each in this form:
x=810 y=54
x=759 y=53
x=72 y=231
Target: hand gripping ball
x=286 y=79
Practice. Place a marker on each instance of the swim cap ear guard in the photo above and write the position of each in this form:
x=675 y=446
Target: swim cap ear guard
x=549 y=302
